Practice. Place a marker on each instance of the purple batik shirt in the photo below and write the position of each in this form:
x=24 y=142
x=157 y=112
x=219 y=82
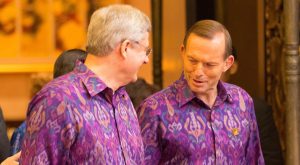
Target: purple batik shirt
x=178 y=128
x=77 y=119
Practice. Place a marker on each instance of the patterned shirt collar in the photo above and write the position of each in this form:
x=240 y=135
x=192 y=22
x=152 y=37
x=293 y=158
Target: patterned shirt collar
x=185 y=94
x=91 y=81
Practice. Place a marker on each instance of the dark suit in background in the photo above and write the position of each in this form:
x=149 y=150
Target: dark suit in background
x=268 y=133
x=4 y=142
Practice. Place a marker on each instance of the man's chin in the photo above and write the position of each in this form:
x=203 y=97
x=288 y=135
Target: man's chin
x=134 y=79
x=197 y=89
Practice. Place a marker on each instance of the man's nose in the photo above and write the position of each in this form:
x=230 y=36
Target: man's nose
x=199 y=70
x=146 y=60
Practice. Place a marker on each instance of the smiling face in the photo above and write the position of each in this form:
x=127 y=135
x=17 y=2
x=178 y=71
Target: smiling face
x=204 y=62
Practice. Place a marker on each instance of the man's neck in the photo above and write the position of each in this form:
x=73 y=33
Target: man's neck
x=104 y=68
x=209 y=98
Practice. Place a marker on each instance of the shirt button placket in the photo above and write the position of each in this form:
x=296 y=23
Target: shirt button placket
x=119 y=131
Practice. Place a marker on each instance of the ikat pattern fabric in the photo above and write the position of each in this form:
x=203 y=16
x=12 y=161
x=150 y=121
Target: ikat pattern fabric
x=178 y=128
x=77 y=119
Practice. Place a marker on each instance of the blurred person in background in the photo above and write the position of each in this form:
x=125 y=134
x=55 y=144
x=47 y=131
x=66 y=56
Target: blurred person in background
x=4 y=142
x=139 y=91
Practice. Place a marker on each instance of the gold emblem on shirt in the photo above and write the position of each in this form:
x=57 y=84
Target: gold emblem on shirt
x=232 y=123
x=235 y=131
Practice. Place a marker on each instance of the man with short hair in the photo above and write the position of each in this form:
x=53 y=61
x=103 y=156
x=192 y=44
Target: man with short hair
x=199 y=119
x=86 y=116
x=66 y=61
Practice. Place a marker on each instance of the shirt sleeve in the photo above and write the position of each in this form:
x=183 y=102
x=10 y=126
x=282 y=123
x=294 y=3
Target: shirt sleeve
x=254 y=152
x=50 y=131
x=149 y=122
x=17 y=138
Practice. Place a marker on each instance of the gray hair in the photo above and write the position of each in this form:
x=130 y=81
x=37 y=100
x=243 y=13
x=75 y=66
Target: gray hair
x=208 y=29
x=114 y=24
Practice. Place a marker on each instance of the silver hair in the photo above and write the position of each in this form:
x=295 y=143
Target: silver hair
x=112 y=25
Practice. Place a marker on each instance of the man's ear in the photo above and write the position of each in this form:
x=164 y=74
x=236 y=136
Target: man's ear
x=182 y=50
x=228 y=62
x=124 y=48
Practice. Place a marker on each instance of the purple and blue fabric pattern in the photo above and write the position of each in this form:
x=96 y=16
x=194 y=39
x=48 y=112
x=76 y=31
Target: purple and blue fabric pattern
x=77 y=119
x=178 y=128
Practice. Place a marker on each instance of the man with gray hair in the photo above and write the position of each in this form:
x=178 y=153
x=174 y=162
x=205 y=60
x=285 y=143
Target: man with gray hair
x=86 y=116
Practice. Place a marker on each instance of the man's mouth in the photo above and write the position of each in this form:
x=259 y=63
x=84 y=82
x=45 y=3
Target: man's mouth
x=198 y=82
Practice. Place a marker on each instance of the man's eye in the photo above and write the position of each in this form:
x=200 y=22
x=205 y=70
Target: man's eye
x=192 y=61
x=209 y=64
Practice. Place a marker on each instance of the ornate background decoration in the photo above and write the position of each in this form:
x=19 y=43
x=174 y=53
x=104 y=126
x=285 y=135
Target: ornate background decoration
x=34 y=32
x=275 y=63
